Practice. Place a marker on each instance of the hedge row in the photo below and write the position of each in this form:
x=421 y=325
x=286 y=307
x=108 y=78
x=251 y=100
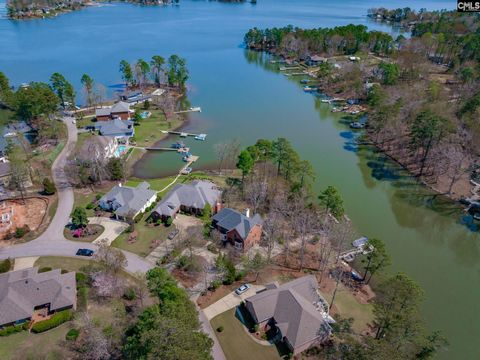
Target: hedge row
x=13 y=329
x=56 y=319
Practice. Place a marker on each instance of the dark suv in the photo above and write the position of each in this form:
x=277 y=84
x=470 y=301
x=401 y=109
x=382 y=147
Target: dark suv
x=84 y=252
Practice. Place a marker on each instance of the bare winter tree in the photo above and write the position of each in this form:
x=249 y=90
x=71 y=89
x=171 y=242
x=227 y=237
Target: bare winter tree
x=453 y=163
x=221 y=151
x=271 y=231
x=233 y=150
x=113 y=260
x=93 y=344
x=255 y=191
x=341 y=235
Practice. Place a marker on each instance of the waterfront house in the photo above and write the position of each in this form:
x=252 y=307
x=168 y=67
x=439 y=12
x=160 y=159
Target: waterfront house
x=121 y=129
x=25 y=294
x=98 y=148
x=315 y=60
x=134 y=97
x=121 y=110
x=127 y=202
x=295 y=312
x=191 y=198
x=240 y=230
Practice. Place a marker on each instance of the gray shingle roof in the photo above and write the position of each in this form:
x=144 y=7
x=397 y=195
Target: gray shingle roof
x=230 y=219
x=194 y=195
x=120 y=107
x=292 y=308
x=115 y=127
x=131 y=199
x=94 y=146
x=22 y=290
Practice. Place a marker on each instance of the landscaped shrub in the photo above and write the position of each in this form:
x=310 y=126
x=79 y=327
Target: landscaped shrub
x=130 y=294
x=240 y=275
x=5 y=265
x=13 y=329
x=90 y=206
x=82 y=297
x=21 y=232
x=72 y=334
x=215 y=285
x=220 y=328
x=63 y=271
x=168 y=222
x=48 y=187
x=56 y=319
x=82 y=279
x=44 y=269
x=98 y=197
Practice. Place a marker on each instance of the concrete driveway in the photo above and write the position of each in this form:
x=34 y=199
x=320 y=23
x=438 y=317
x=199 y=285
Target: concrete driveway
x=113 y=228
x=230 y=301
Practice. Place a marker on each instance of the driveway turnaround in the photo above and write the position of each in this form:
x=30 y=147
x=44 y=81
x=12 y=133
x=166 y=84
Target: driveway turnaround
x=230 y=301
x=113 y=228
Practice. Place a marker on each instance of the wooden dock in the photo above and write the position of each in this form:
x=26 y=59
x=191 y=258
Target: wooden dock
x=192 y=109
x=180 y=133
x=160 y=149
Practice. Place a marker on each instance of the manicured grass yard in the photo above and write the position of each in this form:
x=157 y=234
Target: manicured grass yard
x=348 y=306
x=155 y=184
x=150 y=129
x=146 y=235
x=59 y=262
x=236 y=343
x=25 y=345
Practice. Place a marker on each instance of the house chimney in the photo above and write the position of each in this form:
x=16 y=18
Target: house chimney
x=247 y=212
x=218 y=207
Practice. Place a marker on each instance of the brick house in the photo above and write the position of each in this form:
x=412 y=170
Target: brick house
x=240 y=230
x=120 y=110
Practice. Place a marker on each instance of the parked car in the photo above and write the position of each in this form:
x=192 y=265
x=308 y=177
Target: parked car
x=84 y=252
x=172 y=234
x=242 y=289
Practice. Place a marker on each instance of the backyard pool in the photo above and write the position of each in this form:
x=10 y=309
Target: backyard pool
x=120 y=150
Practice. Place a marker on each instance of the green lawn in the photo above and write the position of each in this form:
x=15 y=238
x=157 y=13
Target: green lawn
x=146 y=235
x=348 y=307
x=82 y=200
x=155 y=184
x=150 y=130
x=59 y=262
x=236 y=343
x=25 y=345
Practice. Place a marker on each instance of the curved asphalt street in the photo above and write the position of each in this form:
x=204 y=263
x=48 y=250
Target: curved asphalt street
x=52 y=242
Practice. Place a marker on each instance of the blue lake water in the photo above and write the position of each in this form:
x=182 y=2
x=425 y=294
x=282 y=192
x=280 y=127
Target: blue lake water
x=244 y=97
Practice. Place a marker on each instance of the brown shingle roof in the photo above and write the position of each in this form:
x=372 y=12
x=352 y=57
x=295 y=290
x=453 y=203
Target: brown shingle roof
x=22 y=290
x=292 y=308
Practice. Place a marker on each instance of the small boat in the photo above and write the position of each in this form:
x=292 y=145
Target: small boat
x=195 y=109
x=309 y=89
x=326 y=101
x=357 y=125
x=201 y=137
x=184 y=135
x=305 y=81
x=178 y=145
x=187 y=170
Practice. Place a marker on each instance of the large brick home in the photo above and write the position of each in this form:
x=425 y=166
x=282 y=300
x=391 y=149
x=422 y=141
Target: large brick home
x=120 y=110
x=295 y=312
x=240 y=230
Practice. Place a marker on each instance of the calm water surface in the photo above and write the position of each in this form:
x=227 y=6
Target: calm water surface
x=243 y=97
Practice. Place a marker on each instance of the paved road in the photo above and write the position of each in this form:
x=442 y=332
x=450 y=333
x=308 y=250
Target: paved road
x=52 y=242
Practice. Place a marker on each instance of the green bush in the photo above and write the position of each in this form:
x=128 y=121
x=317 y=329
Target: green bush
x=44 y=269
x=212 y=248
x=48 y=187
x=215 y=284
x=5 y=265
x=21 y=232
x=90 y=206
x=220 y=328
x=82 y=297
x=72 y=334
x=130 y=294
x=82 y=279
x=56 y=320
x=98 y=197
x=169 y=221
x=13 y=329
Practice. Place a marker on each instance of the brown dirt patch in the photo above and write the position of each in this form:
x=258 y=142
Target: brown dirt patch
x=31 y=213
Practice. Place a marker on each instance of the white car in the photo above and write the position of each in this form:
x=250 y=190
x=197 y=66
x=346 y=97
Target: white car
x=242 y=289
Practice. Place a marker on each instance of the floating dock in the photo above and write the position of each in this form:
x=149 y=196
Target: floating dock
x=185 y=134
x=192 y=109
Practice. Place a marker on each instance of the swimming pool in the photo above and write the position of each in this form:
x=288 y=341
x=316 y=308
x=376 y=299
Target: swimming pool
x=120 y=150
x=145 y=114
